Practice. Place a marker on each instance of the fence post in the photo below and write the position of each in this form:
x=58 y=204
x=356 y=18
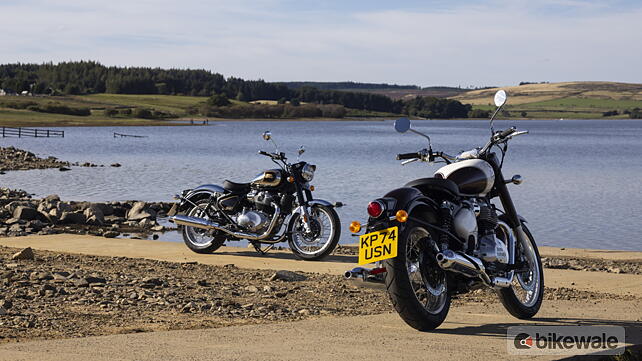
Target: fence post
x=47 y=133
x=3 y=128
x=19 y=132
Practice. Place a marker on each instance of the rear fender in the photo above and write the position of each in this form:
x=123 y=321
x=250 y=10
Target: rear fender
x=408 y=199
x=204 y=191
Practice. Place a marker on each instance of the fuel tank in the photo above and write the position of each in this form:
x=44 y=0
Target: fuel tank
x=268 y=178
x=475 y=177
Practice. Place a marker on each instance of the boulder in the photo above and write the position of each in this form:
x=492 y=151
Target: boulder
x=25 y=254
x=107 y=209
x=52 y=198
x=72 y=218
x=139 y=211
x=64 y=207
x=26 y=213
x=111 y=234
x=94 y=216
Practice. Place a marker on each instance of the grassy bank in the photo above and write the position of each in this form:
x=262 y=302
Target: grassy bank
x=570 y=100
x=17 y=111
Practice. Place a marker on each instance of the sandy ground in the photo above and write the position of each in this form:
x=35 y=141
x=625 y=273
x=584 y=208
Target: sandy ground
x=472 y=331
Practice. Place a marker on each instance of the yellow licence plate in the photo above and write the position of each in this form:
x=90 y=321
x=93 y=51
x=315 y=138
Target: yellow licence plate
x=377 y=246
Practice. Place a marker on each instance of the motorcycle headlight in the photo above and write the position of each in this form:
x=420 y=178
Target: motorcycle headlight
x=307 y=172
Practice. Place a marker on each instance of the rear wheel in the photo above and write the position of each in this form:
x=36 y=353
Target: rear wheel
x=197 y=239
x=416 y=284
x=524 y=297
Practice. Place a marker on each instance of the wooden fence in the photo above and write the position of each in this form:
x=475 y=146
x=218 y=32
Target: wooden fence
x=35 y=133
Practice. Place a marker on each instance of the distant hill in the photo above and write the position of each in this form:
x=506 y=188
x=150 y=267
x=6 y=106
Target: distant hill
x=531 y=93
x=586 y=99
x=344 y=85
x=393 y=91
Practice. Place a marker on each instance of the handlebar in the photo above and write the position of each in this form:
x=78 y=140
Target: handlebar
x=506 y=132
x=408 y=156
x=276 y=156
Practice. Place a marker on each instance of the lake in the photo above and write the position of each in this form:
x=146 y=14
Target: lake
x=583 y=178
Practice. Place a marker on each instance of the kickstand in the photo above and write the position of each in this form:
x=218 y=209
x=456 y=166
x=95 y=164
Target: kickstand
x=257 y=247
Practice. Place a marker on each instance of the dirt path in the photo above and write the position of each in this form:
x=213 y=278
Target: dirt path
x=470 y=333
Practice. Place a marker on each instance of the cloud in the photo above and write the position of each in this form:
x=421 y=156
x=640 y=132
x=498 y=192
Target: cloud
x=427 y=43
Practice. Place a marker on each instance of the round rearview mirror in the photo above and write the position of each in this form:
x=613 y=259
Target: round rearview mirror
x=402 y=125
x=500 y=98
x=267 y=135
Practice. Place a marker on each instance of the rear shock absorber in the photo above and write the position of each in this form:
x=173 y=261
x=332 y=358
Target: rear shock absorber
x=446 y=215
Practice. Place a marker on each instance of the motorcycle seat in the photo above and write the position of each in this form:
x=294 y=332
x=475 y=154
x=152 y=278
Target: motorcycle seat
x=430 y=185
x=236 y=187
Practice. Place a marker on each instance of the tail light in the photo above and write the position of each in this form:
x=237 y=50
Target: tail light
x=375 y=209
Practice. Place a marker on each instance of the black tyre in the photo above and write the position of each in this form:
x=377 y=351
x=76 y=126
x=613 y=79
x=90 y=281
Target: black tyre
x=417 y=286
x=201 y=240
x=321 y=239
x=523 y=298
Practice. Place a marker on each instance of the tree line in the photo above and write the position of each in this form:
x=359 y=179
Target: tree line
x=88 y=77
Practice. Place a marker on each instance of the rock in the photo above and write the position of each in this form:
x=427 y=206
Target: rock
x=288 y=276
x=267 y=289
x=2 y=311
x=615 y=270
x=139 y=211
x=146 y=223
x=94 y=216
x=111 y=234
x=72 y=218
x=36 y=225
x=26 y=255
x=81 y=282
x=188 y=307
x=53 y=198
x=61 y=276
x=107 y=209
x=6 y=304
x=252 y=289
x=158 y=228
x=26 y=213
x=64 y=169
x=202 y=283
x=94 y=279
x=116 y=165
x=15 y=228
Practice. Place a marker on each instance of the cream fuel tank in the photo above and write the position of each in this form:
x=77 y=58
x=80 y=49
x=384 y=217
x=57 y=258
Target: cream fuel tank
x=475 y=177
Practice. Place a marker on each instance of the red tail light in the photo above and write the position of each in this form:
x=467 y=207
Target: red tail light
x=375 y=209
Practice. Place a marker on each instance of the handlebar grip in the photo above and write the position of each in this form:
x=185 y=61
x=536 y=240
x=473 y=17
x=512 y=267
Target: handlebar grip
x=507 y=132
x=261 y=152
x=407 y=156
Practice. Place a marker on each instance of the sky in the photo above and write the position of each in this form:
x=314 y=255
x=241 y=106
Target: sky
x=426 y=43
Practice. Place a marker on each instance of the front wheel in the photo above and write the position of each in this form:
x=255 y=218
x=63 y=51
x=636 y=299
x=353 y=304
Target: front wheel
x=320 y=240
x=417 y=286
x=524 y=297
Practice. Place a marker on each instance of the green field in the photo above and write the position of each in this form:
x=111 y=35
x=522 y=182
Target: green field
x=577 y=108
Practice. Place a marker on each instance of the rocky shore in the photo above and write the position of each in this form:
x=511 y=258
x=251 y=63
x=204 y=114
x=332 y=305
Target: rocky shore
x=21 y=215
x=12 y=158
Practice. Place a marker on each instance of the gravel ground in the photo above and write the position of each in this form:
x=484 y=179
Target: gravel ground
x=63 y=295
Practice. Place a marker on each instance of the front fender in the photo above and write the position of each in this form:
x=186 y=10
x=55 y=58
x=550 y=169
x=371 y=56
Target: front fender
x=320 y=202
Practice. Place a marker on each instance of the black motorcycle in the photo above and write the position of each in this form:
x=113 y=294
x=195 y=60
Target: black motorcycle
x=275 y=206
x=441 y=236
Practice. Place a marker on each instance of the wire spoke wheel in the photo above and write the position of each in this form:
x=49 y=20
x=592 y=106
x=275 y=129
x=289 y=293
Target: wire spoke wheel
x=320 y=238
x=201 y=240
x=427 y=280
x=526 y=284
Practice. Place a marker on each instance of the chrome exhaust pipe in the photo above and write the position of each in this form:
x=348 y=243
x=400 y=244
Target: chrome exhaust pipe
x=203 y=223
x=358 y=272
x=460 y=263
x=471 y=267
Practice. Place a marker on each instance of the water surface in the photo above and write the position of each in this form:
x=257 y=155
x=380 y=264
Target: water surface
x=583 y=178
